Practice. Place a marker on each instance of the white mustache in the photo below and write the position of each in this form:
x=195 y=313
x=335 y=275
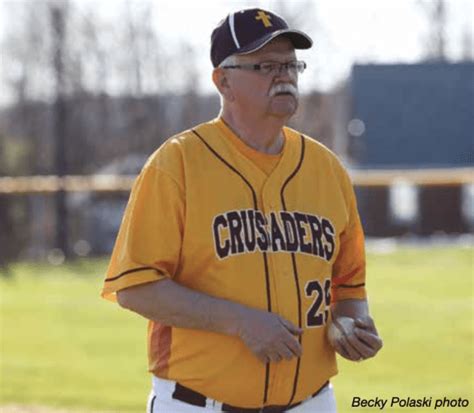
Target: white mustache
x=284 y=88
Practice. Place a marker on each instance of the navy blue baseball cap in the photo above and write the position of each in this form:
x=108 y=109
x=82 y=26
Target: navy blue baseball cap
x=248 y=30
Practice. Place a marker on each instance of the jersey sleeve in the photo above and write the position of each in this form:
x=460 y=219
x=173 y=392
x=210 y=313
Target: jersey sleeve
x=348 y=280
x=149 y=241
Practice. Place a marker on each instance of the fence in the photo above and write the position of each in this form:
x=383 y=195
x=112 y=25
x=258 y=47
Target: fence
x=391 y=203
x=123 y=183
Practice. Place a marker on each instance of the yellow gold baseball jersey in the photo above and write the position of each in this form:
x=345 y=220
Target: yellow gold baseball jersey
x=282 y=236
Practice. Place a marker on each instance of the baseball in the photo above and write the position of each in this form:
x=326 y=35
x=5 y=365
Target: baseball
x=339 y=327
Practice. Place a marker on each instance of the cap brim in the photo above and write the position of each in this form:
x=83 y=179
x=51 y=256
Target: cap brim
x=299 y=40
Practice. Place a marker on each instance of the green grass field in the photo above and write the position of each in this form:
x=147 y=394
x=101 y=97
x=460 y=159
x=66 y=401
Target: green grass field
x=64 y=347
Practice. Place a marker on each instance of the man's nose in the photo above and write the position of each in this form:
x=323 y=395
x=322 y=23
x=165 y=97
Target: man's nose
x=284 y=72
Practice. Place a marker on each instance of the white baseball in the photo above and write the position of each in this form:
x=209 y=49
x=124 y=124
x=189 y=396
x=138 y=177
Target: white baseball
x=336 y=330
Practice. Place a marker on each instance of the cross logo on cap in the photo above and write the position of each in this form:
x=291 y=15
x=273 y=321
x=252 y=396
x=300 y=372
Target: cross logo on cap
x=265 y=18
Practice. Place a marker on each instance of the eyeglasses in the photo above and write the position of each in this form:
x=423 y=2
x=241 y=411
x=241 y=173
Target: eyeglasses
x=272 y=68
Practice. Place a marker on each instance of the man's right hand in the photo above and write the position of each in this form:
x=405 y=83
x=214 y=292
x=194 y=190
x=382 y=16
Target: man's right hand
x=269 y=336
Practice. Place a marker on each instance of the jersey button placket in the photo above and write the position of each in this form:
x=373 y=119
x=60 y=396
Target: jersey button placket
x=270 y=206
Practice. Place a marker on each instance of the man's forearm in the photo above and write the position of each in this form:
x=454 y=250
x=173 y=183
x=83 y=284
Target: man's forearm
x=167 y=302
x=269 y=336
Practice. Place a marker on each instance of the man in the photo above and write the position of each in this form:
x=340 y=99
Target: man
x=240 y=238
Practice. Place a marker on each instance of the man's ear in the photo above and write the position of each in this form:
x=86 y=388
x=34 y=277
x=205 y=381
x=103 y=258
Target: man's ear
x=221 y=80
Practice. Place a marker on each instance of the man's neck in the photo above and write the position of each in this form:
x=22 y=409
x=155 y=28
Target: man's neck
x=264 y=135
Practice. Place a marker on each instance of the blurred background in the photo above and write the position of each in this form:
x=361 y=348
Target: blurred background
x=90 y=88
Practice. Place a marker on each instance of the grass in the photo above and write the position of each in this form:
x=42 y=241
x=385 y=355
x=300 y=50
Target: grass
x=422 y=303
x=62 y=346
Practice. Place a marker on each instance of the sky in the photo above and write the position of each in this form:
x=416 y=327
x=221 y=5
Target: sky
x=344 y=31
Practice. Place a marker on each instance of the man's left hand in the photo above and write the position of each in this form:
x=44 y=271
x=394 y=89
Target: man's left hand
x=359 y=339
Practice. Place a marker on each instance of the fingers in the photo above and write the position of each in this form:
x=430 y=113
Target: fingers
x=284 y=347
x=283 y=353
x=271 y=338
x=366 y=323
x=280 y=354
x=291 y=352
x=372 y=341
x=347 y=350
x=291 y=327
x=274 y=357
x=340 y=349
x=290 y=341
x=361 y=349
x=294 y=346
x=263 y=357
x=367 y=333
x=358 y=343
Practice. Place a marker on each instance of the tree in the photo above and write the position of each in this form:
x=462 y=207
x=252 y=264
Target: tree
x=436 y=13
x=58 y=16
x=467 y=45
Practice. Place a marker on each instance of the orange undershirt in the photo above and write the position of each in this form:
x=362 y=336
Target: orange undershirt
x=264 y=161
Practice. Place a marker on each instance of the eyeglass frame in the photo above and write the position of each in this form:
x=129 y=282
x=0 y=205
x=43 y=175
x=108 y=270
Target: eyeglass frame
x=257 y=67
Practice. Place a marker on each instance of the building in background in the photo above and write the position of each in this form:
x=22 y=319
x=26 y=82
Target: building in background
x=411 y=117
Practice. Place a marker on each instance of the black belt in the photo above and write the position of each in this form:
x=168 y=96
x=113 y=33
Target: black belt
x=189 y=396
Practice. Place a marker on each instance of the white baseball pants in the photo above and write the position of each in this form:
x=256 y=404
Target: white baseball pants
x=161 y=401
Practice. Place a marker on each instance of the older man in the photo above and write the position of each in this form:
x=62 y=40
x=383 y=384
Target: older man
x=241 y=242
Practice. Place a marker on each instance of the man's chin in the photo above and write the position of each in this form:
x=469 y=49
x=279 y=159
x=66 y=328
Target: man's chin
x=284 y=106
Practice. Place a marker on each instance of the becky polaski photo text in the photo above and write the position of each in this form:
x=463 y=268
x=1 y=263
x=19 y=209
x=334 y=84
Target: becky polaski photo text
x=400 y=402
